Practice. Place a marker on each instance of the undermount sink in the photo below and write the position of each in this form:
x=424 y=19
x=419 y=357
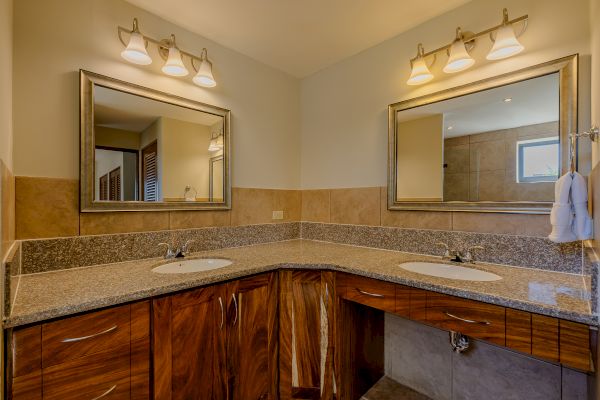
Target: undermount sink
x=195 y=265
x=450 y=271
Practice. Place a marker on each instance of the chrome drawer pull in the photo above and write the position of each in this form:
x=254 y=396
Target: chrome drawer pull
x=236 y=309
x=468 y=321
x=79 y=339
x=109 y=391
x=222 y=312
x=369 y=294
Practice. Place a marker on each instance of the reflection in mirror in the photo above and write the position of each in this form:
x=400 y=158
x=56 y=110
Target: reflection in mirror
x=151 y=151
x=500 y=145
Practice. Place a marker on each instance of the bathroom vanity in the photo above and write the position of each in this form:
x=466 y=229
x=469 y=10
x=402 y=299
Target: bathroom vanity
x=296 y=319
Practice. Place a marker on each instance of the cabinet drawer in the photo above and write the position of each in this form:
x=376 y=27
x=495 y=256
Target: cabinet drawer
x=97 y=376
x=475 y=319
x=75 y=337
x=367 y=291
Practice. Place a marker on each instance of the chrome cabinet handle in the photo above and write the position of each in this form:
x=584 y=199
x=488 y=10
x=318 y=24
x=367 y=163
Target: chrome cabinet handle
x=109 y=391
x=468 y=321
x=222 y=313
x=236 y=309
x=79 y=339
x=369 y=294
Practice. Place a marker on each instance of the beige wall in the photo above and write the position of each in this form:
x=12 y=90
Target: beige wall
x=344 y=107
x=119 y=138
x=420 y=156
x=51 y=45
x=184 y=158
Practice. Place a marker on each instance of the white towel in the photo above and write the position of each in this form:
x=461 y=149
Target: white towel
x=579 y=197
x=569 y=216
x=561 y=216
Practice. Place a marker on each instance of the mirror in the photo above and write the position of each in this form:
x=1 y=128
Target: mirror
x=143 y=149
x=494 y=145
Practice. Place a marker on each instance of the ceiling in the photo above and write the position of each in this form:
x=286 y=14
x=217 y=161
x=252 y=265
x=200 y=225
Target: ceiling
x=120 y=110
x=299 y=37
x=533 y=101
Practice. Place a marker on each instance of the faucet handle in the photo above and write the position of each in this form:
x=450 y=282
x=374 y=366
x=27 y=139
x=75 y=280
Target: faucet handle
x=185 y=247
x=444 y=245
x=170 y=253
x=469 y=256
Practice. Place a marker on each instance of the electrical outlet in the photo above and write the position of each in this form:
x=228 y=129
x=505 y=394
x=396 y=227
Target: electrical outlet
x=277 y=214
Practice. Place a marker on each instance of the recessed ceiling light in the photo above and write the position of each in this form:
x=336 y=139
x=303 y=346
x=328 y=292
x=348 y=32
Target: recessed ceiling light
x=450 y=128
x=508 y=99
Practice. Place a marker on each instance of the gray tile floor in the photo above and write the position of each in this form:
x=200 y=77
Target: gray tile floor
x=389 y=389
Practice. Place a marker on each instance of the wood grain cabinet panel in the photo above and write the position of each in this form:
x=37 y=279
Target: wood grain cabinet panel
x=305 y=324
x=75 y=337
x=252 y=338
x=574 y=345
x=544 y=337
x=367 y=291
x=27 y=387
x=403 y=301
x=26 y=350
x=518 y=330
x=473 y=318
x=418 y=305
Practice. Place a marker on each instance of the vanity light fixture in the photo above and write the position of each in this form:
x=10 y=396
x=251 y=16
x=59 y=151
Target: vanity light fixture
x=136 y=52
x=459 y=58
x=174 y=65
x=420 y=71
x=505 y=44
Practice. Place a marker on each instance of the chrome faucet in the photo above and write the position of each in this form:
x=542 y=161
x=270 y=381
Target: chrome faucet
x=179 y=252
x=457 y=256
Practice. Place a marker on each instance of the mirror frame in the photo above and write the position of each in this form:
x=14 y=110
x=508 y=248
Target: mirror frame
x=566 y=67
x=87 y=80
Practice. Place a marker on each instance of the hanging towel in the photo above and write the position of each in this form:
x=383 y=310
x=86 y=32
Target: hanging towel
x=579 y=197
x=569 y=216
x=561 y=216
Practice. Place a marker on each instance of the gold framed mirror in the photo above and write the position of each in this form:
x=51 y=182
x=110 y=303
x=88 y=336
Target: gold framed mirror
x=145 y=150
x=496 y=145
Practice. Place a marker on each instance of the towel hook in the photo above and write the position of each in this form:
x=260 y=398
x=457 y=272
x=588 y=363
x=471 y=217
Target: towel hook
x=593 y=134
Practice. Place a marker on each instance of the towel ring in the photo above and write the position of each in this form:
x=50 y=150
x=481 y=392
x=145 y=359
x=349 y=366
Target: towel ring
x=593 y=134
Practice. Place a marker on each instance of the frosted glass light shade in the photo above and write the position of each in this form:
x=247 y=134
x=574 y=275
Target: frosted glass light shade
x=459 y=58
x=174 y=65
x=135 y=52
x=204 y=77
x=214 y=145
x=506 y=44
x=420 y=73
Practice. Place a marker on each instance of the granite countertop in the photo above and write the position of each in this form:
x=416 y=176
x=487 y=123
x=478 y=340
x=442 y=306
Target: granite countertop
x=54 y=294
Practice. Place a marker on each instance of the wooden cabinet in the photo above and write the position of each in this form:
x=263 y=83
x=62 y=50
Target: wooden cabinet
x=217 y=342
x=188 y=345
x=369 y=292
x=306 y=343
x=94 y=355
x=252 y=338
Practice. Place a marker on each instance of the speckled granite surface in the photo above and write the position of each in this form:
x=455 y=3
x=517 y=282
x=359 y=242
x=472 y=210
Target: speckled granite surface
x=529 y=251
x=54 y=294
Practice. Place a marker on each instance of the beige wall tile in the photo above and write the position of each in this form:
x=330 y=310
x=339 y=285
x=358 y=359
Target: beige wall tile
x=414 y=219
x=514 y=224
x=290 y=202
x=7 y=213
x=123 y=222
x=198 y=219
x=46 y=207
x=359 y=206
x=251 y=206
x=315 y=205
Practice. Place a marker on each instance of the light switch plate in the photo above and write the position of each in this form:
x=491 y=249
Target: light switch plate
x=277 y=214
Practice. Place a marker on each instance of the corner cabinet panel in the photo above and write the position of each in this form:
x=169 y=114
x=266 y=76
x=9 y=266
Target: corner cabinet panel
x=252 y=333
x=189 y=334
x=306 y=334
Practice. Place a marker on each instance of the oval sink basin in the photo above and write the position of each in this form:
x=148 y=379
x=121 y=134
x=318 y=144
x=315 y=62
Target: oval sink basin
x=450 y=271
x=188 y=266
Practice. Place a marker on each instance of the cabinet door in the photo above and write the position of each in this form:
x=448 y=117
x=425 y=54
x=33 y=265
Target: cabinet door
x=252 y=351
x=306 y=335
x=189 y=345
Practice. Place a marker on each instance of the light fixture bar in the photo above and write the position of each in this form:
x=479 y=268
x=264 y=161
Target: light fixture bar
x=474 y=36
